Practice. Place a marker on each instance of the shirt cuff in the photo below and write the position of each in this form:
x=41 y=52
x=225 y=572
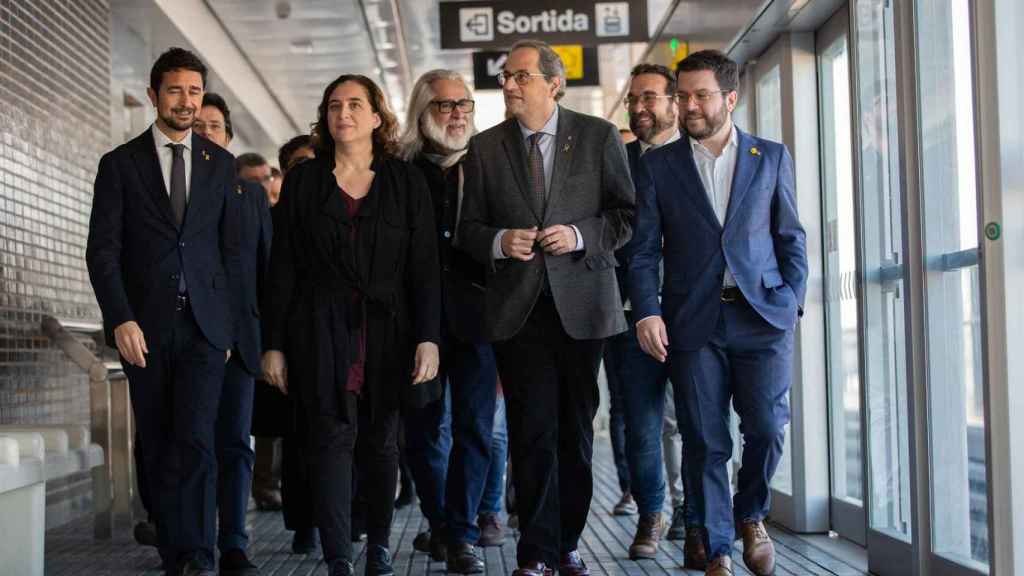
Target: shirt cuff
x=645 y=318
x=496 y=252
x=579 y=238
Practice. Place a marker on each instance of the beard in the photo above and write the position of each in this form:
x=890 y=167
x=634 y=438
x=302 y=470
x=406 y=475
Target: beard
x=438 y=134
x=658 y=125
x=706 y=125
x=173 y=121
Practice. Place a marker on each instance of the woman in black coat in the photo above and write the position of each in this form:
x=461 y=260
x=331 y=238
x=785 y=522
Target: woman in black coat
x=353 y=309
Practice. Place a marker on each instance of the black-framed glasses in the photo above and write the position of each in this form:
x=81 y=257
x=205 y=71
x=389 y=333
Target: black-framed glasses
x=522 y=77
x=700 y=96
x=465 y=105
x=648 y=99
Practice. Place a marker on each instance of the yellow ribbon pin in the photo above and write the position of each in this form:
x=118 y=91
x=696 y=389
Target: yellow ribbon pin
x=755 y=151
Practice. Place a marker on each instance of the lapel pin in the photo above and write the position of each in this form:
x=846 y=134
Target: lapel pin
x=755 y=151
x=238 y=189
x=206 y=156
x=568 y=144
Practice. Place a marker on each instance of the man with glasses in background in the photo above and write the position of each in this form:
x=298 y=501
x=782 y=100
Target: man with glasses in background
x=636 y=381
x=719 y=209
x=547 y=201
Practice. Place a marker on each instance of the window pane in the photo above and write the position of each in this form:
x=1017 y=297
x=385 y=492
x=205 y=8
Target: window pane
x=884 y=376
x=949 y=202
x=840 y=274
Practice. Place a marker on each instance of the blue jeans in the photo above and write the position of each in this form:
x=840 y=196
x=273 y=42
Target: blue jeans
x=495 y=487
x=428 y=442
x=642 y=380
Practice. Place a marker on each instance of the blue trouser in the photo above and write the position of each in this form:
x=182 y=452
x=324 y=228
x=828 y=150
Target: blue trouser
x=428 y=442
x=234 y=455
x=617 y=387
x=473 y=379
x=749 y=362
x=494 y=488
x=642 y=380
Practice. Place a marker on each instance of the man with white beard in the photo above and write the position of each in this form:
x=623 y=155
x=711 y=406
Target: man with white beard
x=451 y=481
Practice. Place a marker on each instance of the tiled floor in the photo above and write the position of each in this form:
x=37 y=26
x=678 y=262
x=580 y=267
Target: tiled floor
x=70 y=550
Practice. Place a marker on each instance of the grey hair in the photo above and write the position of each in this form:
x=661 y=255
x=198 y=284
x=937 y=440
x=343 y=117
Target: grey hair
x=550 y=63
x=411 y=142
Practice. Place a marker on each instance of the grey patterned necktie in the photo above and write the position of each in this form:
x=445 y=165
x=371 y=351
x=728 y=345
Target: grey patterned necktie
x=178 y=182
x=537 y=179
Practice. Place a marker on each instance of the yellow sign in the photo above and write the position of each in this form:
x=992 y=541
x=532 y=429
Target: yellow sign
x=572 y=56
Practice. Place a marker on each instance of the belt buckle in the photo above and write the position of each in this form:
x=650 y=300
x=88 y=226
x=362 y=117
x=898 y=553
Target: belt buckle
x=181 y=303
x=726 y=298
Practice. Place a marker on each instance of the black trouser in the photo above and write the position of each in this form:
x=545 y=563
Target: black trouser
x=175 y=399
x=296 y=488
x=333 y=428
x=551 y=395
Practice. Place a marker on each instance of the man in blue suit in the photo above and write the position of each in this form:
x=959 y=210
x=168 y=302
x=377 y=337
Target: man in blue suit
x=163 y=257
x=234 y=420
x=719 y=208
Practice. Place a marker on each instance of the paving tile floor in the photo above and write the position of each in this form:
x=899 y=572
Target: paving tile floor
x=71 y=551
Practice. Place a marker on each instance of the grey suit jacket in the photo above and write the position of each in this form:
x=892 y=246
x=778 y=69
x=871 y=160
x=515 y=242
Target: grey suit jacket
x=590 y=188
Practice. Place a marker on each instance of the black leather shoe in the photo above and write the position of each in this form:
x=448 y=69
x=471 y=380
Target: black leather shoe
x=378 y=561
x=145 y=533
x=234 y=562
x=342 y=568
x=463 y=559
x=305 y=541
x=431 y=542
x=677 y=530
x=193 y=568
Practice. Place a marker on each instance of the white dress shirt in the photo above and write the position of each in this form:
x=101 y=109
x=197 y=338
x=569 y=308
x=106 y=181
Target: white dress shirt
x=716 y=174
x=166 y=157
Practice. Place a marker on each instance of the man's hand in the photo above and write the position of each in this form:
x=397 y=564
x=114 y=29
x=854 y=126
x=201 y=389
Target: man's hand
x=275 y=370
x=558 y=239
x=131 y=343
x=518 y=244
x=653 y=337
x=426 y=363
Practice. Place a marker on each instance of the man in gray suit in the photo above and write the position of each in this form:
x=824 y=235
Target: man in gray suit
x=547 y=201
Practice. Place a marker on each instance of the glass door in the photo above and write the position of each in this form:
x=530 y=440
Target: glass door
x=841 y=279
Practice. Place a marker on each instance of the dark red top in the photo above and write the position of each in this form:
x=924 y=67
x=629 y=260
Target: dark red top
x=357 y=369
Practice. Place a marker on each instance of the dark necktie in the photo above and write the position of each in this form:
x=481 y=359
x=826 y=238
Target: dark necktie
x=537 y=179
x=178 y=182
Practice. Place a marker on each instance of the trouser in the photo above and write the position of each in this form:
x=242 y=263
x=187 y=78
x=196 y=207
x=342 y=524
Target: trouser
x=748 y=362
x=234 y=455
x=296 y=487
x=267 y=470
x=428 y=441
x=494 y=487
x=175 y=399
x=672 y=451
x=551 y=396
x=617 y=388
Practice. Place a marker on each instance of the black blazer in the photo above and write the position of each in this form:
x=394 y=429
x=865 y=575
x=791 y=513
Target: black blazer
x=135 y=252
x=462 y=278
x=255 y=235
x=315 y=270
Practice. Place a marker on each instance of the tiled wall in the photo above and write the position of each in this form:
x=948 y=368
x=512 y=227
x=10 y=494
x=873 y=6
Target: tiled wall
x=55 y=111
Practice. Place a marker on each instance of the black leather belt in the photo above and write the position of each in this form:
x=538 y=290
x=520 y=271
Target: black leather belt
x=181 y=303
x=731 y=294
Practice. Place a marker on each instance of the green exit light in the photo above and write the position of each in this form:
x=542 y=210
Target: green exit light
x=673 y=44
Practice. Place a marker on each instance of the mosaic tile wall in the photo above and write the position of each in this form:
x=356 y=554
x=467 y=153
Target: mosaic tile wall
x=55 y=110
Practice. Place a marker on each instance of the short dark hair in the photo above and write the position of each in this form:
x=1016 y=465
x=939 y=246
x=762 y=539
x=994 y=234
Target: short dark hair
x=217 y=101
x=175 y=59
x=663 y=71
x=291 y=147
x=726 y=71
x=275 y=172
x=249 y=160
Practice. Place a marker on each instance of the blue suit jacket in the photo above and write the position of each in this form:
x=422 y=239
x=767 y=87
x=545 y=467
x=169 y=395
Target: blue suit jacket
x=136 y=252
x=762 y=241
x=255 y=235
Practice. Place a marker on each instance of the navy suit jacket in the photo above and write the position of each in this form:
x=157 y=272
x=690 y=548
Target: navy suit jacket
x=762 y=240
x=624 y=255
x=255 y=235
x=136 y=252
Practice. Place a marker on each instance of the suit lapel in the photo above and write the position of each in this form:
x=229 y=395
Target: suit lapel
x=565 y=145
x=144 y=154
x=516 y=151
x=685 y=168
x=747 y=163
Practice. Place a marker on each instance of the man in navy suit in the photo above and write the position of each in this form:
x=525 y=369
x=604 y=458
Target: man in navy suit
x=719 y=208
x=234 y=420
x=163 y=259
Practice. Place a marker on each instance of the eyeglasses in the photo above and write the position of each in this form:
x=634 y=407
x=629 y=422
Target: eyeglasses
x=522 y=77
x=648 y=99
x=700 y=96
x=446 y=106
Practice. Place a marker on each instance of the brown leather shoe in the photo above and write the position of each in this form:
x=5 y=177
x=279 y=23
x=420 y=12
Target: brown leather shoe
x=695 y=556
x=532 y=569
x=648 y=537
x=626 y=506
x=721 y=566
x=758 y=550
x=571 y=564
